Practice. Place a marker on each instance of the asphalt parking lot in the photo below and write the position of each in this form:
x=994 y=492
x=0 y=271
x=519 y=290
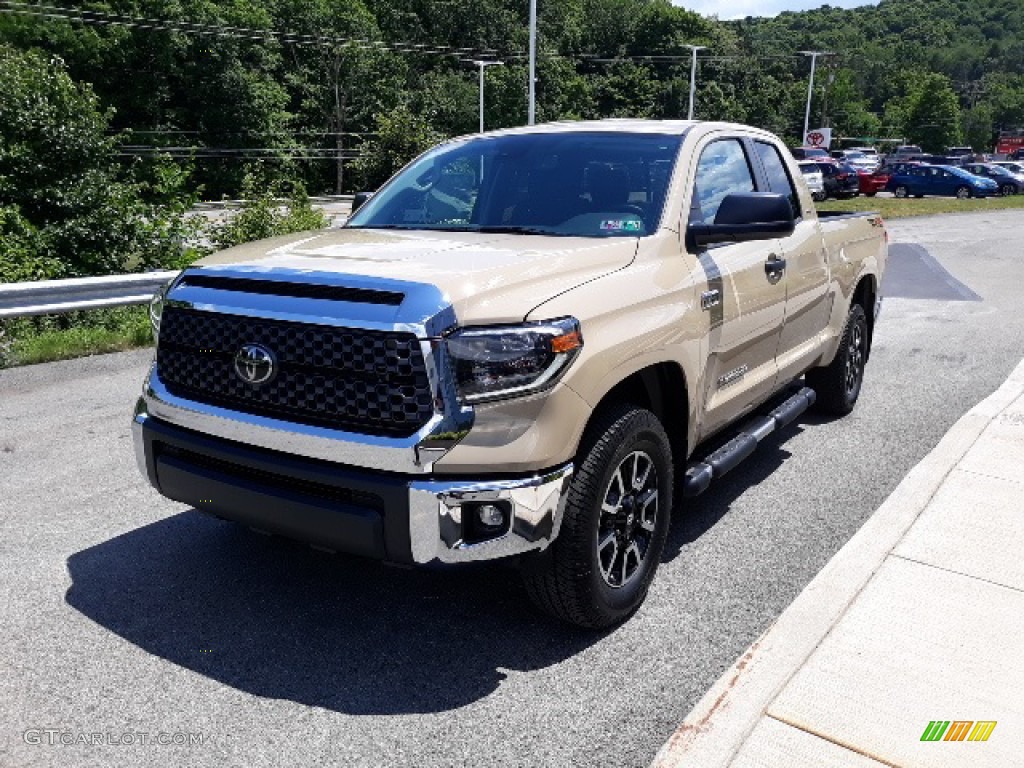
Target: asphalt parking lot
x=126 y=614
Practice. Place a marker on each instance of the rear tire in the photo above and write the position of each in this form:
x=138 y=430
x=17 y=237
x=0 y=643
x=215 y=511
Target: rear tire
x=597 y=572
x=1007 y=189
x=901 y=191
x=963 y=192
x=838 y=384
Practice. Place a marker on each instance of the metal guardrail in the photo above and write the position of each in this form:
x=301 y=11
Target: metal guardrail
x=50 y=297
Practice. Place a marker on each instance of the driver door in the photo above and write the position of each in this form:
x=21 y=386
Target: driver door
x=744 y=300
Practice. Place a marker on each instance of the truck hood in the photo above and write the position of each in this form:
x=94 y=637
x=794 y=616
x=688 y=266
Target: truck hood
x=488 y=278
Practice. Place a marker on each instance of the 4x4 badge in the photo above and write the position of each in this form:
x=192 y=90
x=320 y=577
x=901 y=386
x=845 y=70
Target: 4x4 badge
x=255 y=364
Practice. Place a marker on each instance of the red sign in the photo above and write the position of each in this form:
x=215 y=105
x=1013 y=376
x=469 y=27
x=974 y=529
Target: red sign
x=815 y=139
x=1008 y=144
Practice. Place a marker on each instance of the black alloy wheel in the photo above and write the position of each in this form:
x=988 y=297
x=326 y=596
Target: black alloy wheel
x=856 y=354
x=597 y=571
x=838 y=384
x=629 y=513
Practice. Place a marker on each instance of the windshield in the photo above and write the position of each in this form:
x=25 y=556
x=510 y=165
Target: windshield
x=566 y=183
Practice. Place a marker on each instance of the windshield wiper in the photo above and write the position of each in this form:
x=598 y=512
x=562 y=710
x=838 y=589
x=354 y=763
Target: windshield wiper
x=378 y=226
x=514 y=229
x=517 y=229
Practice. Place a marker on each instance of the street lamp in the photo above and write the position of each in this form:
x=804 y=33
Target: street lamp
x=693 y=75
x=531 y=113
x=484 y=65
x=810 y=89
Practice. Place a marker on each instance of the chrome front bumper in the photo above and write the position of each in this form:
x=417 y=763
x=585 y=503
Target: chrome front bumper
x=434 y=507
x=537 y=505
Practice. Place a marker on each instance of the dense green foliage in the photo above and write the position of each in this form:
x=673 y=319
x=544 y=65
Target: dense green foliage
x=262 y=217
x=932 y=71
x=334 y=95
x=67 y=208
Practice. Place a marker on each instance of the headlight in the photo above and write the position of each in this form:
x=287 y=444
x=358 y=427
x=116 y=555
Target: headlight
x=498 y=362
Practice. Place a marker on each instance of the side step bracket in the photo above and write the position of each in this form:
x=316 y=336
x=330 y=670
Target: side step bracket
x=700 y=474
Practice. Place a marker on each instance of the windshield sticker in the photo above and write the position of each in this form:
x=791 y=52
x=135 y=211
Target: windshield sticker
x=622 y=225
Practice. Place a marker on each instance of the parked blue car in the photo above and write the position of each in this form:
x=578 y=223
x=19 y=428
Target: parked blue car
x=945 y=180
x=1009 y=183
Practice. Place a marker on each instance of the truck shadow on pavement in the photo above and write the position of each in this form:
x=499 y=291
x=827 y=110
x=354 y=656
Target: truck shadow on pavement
x=276 y=619
x=692 y=518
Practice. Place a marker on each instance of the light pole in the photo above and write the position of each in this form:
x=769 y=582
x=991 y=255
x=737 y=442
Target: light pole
x=810 y=88
x=531 y=112
x=484 y=65
x=693 y=75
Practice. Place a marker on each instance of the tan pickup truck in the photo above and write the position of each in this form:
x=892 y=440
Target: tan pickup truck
x=529 y=345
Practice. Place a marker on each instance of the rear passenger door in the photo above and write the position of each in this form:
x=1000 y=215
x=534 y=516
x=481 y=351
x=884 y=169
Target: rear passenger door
x=918 y=182
x=806 y=265
x=743 y=304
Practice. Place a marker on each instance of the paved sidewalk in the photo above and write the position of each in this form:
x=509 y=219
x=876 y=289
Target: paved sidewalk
x=919 y=618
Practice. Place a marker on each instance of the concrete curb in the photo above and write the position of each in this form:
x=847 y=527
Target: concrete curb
x=718 y=725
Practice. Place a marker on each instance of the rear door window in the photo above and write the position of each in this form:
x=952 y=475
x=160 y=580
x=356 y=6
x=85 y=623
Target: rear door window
x=776 y=173
x=723 y=168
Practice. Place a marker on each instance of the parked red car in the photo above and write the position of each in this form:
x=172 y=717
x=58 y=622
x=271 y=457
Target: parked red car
x=872 y=182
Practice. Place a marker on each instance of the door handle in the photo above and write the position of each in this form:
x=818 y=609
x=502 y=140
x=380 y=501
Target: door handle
x=774 y=268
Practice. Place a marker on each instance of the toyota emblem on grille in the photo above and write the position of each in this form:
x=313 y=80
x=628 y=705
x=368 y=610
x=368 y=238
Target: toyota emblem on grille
x=255 y=364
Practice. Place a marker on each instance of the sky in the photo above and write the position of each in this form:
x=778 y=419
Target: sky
x=738 y=9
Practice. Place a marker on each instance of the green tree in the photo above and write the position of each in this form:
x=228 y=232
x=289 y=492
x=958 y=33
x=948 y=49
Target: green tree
x=400 y=135
x=67 y=205
x=933 y=119
x=338 y=86
x=978 y=127
x=23 y=255
x=262 y=216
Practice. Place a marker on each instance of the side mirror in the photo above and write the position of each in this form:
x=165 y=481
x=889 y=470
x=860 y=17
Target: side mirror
x=358 y=199
x=746 y=216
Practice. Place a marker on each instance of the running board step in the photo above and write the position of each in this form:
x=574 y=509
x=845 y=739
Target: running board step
x=700 y=474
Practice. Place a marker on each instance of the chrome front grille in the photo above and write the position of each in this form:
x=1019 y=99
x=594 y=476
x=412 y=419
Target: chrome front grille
x=371 y=382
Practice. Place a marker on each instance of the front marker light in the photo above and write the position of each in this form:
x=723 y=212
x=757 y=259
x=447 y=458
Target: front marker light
x=156 y=308
x=498 y=362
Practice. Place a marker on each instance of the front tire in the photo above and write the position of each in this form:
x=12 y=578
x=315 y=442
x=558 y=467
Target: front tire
x=838 y=384
x=963 y=192
x=597 y=572
x=902 y=191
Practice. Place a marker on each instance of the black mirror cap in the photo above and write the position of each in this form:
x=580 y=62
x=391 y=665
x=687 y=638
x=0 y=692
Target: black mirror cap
x=746 y=216
x=358 y=199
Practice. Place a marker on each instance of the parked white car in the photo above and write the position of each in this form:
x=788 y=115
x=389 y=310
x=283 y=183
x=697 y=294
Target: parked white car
x=869 y=151
x=1011 y=165
x=858 y=159
x=815 y=181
